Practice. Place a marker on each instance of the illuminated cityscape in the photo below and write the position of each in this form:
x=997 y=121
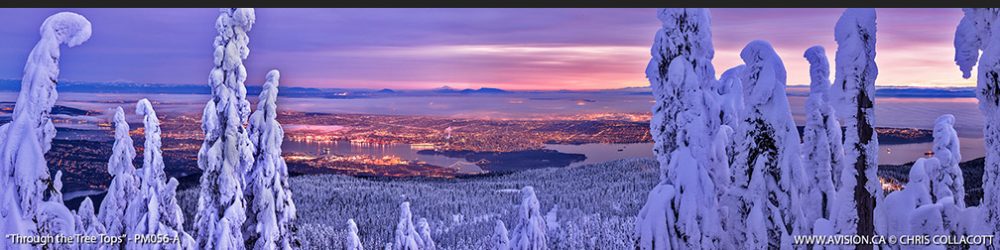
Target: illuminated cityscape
x=83 y=153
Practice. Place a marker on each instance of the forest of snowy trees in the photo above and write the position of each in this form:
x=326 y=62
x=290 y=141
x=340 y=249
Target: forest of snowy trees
x=141 y=209
x=775 y=186
x=732 y=170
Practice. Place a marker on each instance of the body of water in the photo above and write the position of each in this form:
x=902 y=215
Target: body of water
x=971 y=148
x=920 y=113
x=890 y=112
x=601 y=152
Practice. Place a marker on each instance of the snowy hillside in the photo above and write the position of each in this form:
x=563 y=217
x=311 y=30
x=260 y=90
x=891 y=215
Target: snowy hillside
x=597 y=205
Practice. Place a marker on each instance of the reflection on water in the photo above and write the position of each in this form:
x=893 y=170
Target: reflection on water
x=971 y=148
x=600 y=152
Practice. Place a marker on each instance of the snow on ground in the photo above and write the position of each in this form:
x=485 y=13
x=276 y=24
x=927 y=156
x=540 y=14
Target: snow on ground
x=594 y=213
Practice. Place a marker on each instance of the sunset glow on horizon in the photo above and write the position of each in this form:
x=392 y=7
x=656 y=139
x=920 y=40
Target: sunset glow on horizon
x=518 y=49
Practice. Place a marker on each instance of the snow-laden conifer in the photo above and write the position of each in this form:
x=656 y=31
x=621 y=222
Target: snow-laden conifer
x=854 y=95
x=500 y=239
x=353 y=241
x=822 y=147
x=947 y=179
x=529 y=233
x=892 y=215
x=53 y=217
x=24 y=174
x=424 y=229
x=769 y=150
x=270 y=209
x=124 y=184
x=974 y=34
x=226 y=153
x=88 y=224
x=406 y=236
x=688 y=118
x=685 y=35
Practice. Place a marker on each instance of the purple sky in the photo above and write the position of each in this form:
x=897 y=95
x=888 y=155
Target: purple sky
x=426 y=48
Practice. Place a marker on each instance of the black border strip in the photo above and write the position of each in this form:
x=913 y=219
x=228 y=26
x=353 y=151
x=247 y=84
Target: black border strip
x=499 y=3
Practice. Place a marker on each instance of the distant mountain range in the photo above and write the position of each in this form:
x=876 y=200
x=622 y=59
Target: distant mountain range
x=449 y=90
x=130 y=88
x=12 y=85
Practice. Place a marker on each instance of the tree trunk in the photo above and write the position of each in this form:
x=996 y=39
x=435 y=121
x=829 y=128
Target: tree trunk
x=862 y=197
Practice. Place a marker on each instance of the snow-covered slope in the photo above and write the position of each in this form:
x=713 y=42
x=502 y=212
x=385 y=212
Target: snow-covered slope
x=593 y=213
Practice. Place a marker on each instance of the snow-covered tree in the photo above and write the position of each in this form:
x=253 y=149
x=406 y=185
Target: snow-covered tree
x=693 y=164
x=137 y=212
x=154 y=209
x=685 y=34
x=927 y=204
x=53 y=217
x=552 y=220
x=500 y=240
x=406 y=236
x=854 y=93
x=144 y=211
x=226 y=153
x=87 y=223
x=769 y=149
x=732 y=107
x=960 y=220
x=947 y=180
x=695 y=206
x=722 y=176
x=893 y=214
x=687 y=123
x=270 y=210
x=731 y=95
x=655 y=225
x=972 y=35
x=424 y=229
x=152 y=155
x=172 y=217
x=38 y=85
x=124 y=185
x=529 y=234
x=819 y=71
x=822 y=148
x=13 y=222
x=968 y=41
x=353 y=241
x=927 y=220
x=24 y=174
x=55 y=192
x=732 y=118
